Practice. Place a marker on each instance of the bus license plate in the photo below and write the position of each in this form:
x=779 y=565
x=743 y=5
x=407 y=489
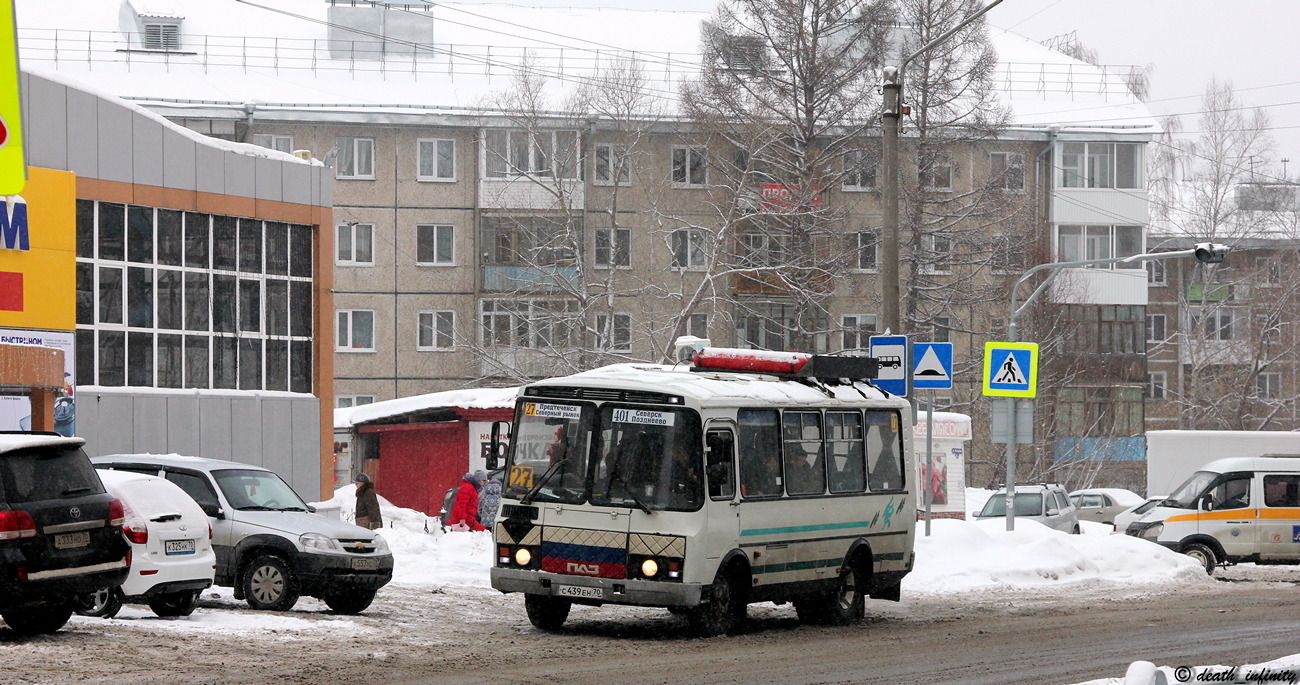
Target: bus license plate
x=179 y=547
x=365 y=564
x=71 y=540
x=583 y=592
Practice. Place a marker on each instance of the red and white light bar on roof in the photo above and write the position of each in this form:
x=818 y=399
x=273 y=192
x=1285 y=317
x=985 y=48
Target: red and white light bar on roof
x=756 y=361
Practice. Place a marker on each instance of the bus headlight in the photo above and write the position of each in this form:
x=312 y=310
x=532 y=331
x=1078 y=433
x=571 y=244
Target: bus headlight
x=1153 y=532
x=523 y=557
x=646 y=567
x=649 y=568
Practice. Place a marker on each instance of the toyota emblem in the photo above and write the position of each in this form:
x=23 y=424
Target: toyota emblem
x=75 y=512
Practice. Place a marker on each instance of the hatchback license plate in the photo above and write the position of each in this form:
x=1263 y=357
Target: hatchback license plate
x=180 y=547
x=583 y=592
x=71 y=540
x=365 y=564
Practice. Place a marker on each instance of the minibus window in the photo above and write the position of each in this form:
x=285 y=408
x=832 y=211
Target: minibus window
x=1282 y=491
x=720 y=465
x=1233 y=492
x=884 y=451
x=1186 y=495
x=803 y=453
x=844 y=452
x=759 y=438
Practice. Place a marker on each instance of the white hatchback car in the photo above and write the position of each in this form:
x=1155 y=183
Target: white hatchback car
x=172 y=559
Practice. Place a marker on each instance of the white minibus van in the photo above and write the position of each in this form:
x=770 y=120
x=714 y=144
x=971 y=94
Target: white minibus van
x=747 y=477
x=1232 y=510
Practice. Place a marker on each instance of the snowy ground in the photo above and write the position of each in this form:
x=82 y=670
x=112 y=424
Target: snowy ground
x=965 y=559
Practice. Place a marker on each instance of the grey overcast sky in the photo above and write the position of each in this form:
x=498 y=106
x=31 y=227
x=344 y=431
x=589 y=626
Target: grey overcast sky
x=1255 y=44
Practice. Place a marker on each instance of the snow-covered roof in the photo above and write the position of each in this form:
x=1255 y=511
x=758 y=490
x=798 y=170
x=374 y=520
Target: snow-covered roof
x=473 y=398
x=278 y=56
x=711 y=386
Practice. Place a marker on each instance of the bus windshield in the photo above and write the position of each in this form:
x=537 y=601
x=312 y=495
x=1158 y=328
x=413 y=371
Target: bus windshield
x=550 y=445
x=648 y=458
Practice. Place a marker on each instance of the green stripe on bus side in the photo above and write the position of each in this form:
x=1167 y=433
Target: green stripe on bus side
x=819 y=563
x=804 y=529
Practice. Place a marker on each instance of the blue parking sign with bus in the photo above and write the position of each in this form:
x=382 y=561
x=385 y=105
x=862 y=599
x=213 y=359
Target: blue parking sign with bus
x=891 y=353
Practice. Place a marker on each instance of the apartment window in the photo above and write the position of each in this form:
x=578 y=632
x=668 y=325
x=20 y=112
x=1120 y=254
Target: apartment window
x=762 y=249
x=857 y=331
x=689 y=168
x=355 y=244
x=437 y=330
x=1270 y=271
x=937 y=174
x=157 y=306
x=273 y=142
x=1079 y=243
x=611 y=165
x=937 y=258
x=162 y=36
x=531 y=240
x=1008 y=255
x=356 y=331
x=435 y=159
x=1268 y=385
x=435 y=244
x=1268 y=325
x=688 y=249
x=613 y=247
x=1156 y=328
x=941 y=329
x=1101 y=165
x=1215 y=324
x=345 y=401
x=698 y=326
x=1156 y=272
x=1008 y=170
x=860 y=168
x=1157 y=385
x=539 y=324
x=614 y=334
x=865 y=250
x=356 y=158
x=531 y=153
x=780 y=326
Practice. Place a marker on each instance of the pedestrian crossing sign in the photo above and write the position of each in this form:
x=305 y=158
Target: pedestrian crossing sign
x=1010 y=369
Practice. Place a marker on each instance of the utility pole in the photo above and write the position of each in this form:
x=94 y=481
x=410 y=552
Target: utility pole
x=891 y=110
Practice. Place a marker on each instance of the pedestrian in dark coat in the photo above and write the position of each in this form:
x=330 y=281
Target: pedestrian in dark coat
x=488 y=500
x=465 y=510
x=368 y=515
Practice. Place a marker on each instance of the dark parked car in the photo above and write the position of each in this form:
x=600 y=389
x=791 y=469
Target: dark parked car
x=60 y=532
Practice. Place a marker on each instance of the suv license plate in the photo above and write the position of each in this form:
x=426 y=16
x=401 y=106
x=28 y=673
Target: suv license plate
x=71 y=540
x=365 y=564
x=583 y=592
x=180 y=547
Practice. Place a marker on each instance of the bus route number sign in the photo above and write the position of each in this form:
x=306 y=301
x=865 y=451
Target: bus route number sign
x=521 y=477
x=643 y=416
x=553 y=411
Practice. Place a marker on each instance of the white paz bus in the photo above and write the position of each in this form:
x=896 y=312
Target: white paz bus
x=747 y=477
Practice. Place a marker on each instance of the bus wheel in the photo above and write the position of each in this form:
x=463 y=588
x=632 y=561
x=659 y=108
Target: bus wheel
x=847 y=604
x=724 y=610
x=1203 y=555
x=546 y=612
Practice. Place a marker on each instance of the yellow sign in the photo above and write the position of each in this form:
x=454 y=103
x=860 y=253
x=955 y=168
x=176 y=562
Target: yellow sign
x=1010 y=369
x=38 y=254
x=13 y=164
x=521 y=477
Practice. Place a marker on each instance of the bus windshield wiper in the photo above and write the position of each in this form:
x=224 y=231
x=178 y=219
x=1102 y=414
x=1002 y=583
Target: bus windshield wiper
x=627 y=490
x=555 y=468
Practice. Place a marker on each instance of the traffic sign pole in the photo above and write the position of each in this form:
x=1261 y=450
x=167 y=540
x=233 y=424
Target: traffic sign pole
x=929 y=459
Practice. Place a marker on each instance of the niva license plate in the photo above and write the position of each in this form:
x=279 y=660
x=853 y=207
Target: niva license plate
x=179 y=547
x=365 y=564
x=583 y=592
x=71 y=540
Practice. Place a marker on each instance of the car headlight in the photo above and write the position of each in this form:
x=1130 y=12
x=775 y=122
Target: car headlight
x=316 y=541
x=1152 y=532
x=381 y=545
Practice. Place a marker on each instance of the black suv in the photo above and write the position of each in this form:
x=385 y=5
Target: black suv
x=60 y=532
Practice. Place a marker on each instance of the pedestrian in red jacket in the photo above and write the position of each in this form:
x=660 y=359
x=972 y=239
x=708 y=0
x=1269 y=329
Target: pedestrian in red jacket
x=465 y=510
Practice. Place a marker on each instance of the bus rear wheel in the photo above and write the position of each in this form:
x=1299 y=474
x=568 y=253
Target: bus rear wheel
x=842 y=606
x=546 y=612
x=724 y=611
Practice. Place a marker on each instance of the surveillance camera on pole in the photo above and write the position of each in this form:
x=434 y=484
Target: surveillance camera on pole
x=1210 y=253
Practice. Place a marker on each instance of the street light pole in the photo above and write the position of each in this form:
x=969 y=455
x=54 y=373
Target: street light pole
x=891 y=110
x=1208 y=253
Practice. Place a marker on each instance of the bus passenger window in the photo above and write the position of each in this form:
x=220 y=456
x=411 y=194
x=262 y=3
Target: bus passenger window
x=803 y=453
x=884 y=451
x=720 y=464
x=759 y=438
x=844 y=452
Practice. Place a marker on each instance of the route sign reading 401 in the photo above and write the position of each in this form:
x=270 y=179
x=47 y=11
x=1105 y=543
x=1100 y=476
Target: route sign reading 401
x=1010 y=369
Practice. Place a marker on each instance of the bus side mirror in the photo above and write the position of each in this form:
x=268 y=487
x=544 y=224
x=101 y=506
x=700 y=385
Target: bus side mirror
x=1207 y=503
x=496 y=449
